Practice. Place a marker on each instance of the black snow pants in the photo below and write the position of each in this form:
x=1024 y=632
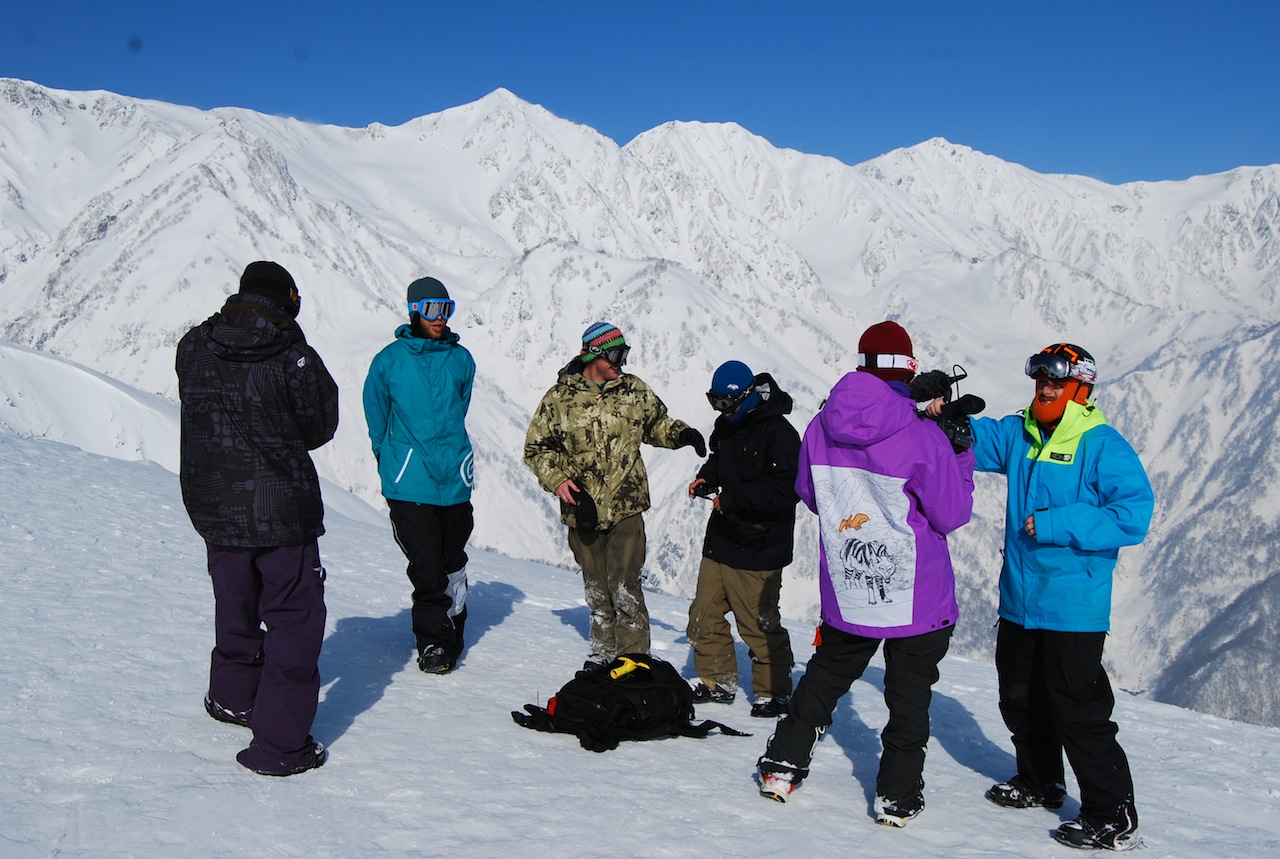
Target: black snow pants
x=434 y=539
x=1055 y=695
x=911 y=669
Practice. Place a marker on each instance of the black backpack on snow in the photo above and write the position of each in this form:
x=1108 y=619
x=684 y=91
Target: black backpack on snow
x=634 y=697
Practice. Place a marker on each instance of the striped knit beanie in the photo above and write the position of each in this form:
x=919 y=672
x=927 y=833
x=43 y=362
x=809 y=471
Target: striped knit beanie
x=599 y=337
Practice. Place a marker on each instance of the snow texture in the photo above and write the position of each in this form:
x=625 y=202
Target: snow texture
x=106 y=621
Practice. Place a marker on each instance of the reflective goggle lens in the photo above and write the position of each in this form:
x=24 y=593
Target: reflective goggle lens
x=617 y=356
x=432 y=308
x=1053 y=367
x=726 y=402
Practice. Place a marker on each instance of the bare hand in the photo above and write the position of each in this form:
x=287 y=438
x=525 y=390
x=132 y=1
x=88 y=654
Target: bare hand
x=565 y=492
x=693 y=486
x=1030 y=526
x=934 y=408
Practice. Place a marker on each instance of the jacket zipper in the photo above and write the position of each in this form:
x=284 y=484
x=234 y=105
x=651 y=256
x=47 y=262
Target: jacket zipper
x=408 y=456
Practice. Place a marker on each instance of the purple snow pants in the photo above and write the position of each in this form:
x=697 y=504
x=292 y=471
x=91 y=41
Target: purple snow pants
x=269 y=672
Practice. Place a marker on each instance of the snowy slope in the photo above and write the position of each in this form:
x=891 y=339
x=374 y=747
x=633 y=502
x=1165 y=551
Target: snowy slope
x=106 y=623
x=123 y=222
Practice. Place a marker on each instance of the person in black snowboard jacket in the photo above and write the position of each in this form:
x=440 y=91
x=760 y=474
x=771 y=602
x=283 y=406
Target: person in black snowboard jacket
x=750 y=477
x=255 y=399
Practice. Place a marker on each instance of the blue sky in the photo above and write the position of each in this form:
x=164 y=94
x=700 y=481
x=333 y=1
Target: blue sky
x=1117 y=90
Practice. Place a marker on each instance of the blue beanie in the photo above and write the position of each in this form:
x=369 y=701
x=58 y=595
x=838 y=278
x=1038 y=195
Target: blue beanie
x=732 y=377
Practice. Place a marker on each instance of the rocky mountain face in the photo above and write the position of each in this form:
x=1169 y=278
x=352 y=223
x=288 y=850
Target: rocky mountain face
x=124 y=222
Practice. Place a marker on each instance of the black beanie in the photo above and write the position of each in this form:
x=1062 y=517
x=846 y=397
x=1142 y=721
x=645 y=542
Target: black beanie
x=268 y=278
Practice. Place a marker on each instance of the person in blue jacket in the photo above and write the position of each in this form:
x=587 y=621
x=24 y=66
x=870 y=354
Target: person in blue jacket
x=416 y=398
x=1077 y=493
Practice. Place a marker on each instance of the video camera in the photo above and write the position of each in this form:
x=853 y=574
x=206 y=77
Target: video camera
x=954 y=418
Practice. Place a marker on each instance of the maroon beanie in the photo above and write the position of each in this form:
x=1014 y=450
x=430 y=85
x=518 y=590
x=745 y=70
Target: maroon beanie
x=884 y=350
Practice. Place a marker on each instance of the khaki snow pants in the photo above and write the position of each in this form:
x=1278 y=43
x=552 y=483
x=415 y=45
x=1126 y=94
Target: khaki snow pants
x=752 y=596
x=611 y=561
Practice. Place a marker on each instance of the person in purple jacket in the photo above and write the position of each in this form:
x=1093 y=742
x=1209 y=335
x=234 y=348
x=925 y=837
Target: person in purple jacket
x=887 y=487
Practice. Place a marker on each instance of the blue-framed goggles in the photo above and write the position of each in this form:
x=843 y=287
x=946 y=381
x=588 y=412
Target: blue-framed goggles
x=432 y=308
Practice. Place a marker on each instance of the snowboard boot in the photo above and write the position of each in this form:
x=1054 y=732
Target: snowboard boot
x=222 y=714
x=778 y=779
x=252 y=758
x=896 y=812
x=704 y=694
x=770 y=708
x=434 y=660
x=1019 y=792
x=1115 y=831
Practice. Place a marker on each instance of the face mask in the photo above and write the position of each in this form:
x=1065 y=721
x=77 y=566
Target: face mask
x=1051 y=413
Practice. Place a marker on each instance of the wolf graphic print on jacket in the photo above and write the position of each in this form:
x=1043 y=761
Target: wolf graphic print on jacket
x=887 y=488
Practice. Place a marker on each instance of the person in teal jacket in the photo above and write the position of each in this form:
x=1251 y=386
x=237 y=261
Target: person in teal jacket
x=416 y=398
x=1077 y=493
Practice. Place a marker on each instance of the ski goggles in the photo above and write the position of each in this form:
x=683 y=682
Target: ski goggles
x=726 y=403
x=432 y=308
x=1059 y=368
x=616 y=355
x=1054 y=367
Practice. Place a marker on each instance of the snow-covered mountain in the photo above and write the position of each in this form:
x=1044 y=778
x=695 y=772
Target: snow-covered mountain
x=123 y=222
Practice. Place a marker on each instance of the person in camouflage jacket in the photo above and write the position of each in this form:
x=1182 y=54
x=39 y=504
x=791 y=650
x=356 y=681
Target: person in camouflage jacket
x=583 y=445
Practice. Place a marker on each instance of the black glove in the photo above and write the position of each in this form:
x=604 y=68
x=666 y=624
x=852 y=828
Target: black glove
x=585 y=512
x=690 y=437
x=594 y=742
x=930 y=386
x=534 y=717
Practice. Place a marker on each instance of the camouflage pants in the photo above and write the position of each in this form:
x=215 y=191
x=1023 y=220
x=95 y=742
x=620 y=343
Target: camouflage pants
x=752 y=596
x=611 y=562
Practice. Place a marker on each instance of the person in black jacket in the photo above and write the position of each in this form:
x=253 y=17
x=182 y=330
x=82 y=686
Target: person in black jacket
x=750 y=477
x=255 y=399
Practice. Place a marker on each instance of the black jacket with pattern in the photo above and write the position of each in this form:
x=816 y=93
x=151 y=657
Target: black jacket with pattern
x=255 y=398
x=754 y=462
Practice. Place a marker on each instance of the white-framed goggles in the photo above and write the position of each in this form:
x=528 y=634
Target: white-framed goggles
x=1059 y=368
x=887 y=361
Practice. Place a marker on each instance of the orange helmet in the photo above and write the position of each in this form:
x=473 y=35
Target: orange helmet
x=1070 y=364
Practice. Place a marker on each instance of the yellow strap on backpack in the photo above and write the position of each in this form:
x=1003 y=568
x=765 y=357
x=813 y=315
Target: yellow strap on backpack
x=628 y=665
